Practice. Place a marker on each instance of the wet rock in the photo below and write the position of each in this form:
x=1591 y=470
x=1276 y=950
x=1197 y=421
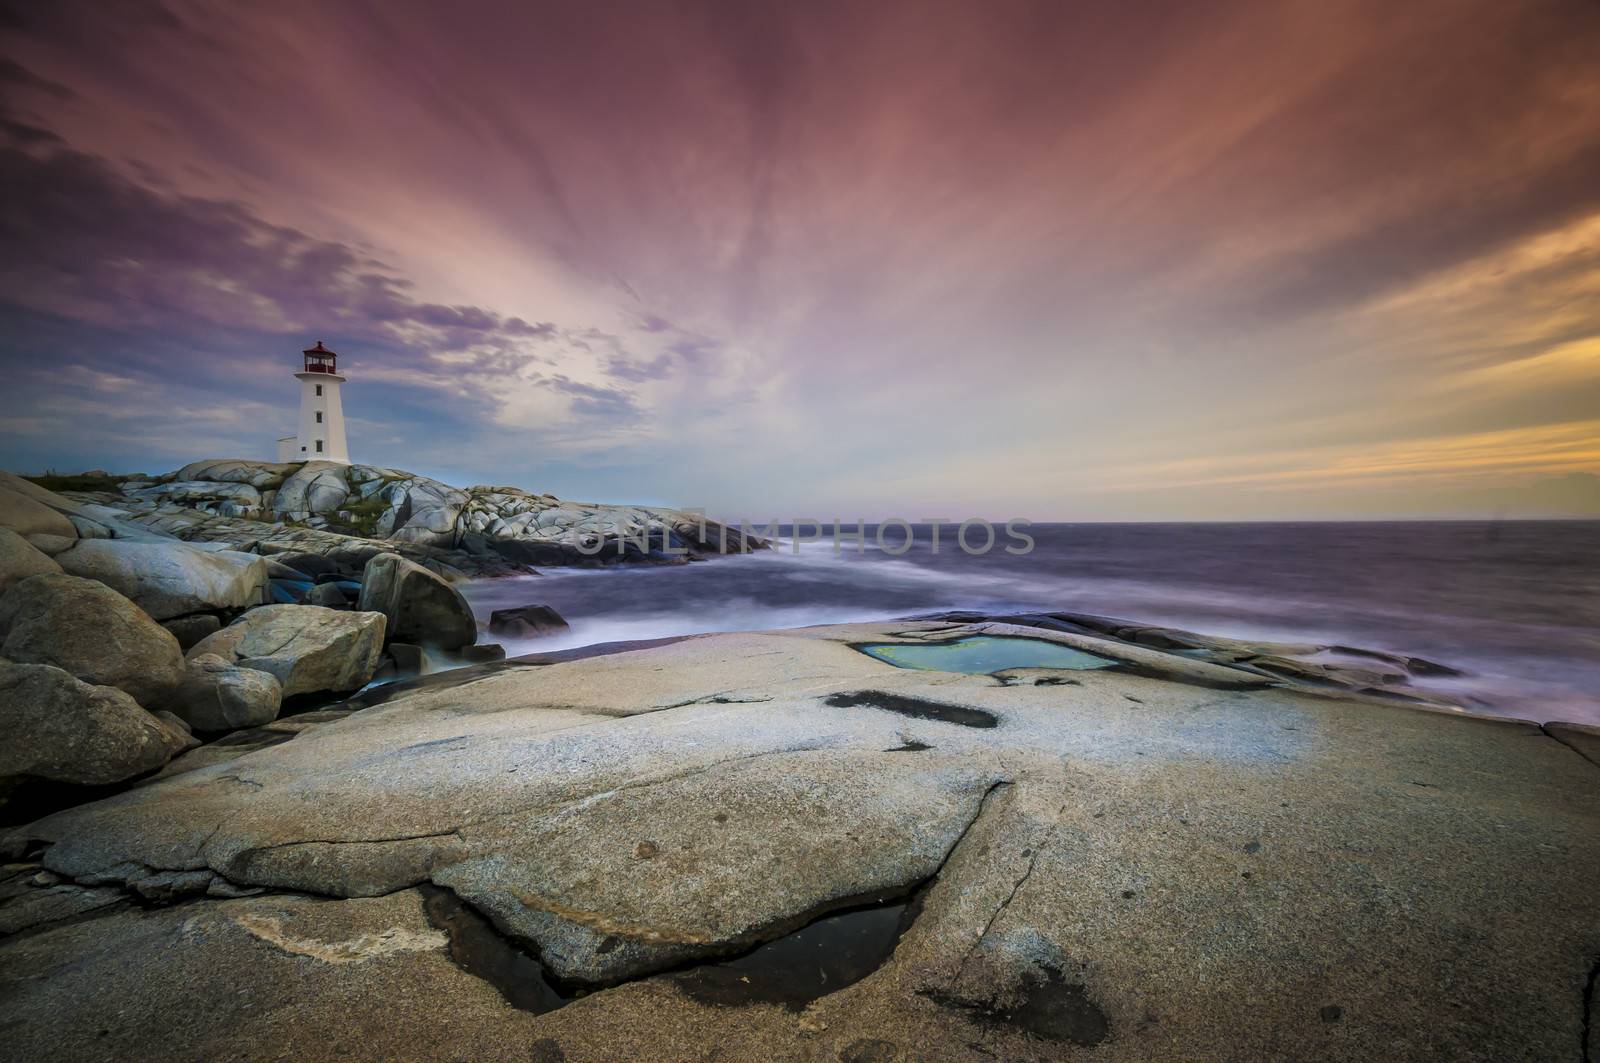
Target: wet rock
x=218 y=696
x=290 y=592
x=410 y=660
x=916 y=708
x=1050 y=1008
x=309 y=565
x=482 y=653
x=421 y=607
x=331 y=595
x=306 y=647
x=59 y=728
x=171 y=579
x=526 y=622
x=20 y=559
x=189 y=630
x=92 y=632
x=822 y=957
x=480 y=951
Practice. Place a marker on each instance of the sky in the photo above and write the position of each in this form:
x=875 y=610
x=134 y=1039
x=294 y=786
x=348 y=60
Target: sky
x=1151 y=260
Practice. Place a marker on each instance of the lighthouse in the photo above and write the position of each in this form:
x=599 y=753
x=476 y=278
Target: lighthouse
x=321 y=434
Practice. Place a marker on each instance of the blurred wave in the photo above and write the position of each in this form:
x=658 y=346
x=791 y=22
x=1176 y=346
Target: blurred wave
x=1515 y=603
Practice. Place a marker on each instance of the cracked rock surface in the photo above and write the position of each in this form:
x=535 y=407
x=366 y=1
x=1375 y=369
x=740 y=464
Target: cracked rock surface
x=1171 y=858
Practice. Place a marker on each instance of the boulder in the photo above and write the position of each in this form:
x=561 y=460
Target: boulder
x=289 y=591
x=20 y=559
x=180 y=727
x=51 y=545
x=482 y=653
x=308 y=565
x=317 y=487
x=526 y=622
x=308 y=648
x=426 y=511
x=92 y=632
x=60 y=728
x=185 y=492
x=24 y=511
x=329 y=595
x=409 y=661
x=218 y=696
x=258 y=474
x=189 y=630
x=169 y=579
x=421 y=607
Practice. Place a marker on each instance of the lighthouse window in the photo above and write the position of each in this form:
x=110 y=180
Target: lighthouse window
x=319 y=446
x=319 y=416
x=319 y=391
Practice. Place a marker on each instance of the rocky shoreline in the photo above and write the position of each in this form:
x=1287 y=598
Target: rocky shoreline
x=853 y=843
x=345 y=513
x=134 y=620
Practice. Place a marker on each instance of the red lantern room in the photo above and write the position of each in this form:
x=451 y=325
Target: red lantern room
x=319 y=359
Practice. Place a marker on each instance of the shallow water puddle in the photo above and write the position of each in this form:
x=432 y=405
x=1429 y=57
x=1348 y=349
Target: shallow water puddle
x=984 y=654
x=820 y=958
x=916 y=708
x=479 y=950
x=823 y=956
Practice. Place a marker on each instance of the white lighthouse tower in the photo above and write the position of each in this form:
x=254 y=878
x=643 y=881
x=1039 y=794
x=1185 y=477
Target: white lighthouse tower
x=321 y=435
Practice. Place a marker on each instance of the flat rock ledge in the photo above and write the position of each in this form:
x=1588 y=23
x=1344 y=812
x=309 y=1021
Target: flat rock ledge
x=1184 y=855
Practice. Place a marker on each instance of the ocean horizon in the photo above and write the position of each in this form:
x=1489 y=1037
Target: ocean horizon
x=1513 y=604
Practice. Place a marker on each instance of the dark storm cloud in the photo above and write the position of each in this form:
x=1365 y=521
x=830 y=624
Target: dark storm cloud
x=80 y=240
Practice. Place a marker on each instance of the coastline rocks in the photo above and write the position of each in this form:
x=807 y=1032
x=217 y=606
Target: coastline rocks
x=258 y=474
x=481 y=653
x=20 y=559
x=421 y=607
x=407 y=661
x=65 y=730
x=306 y=647
x=24 y=512
x=218 y=696
x=497 y=528
x=170 y=579
x=310 y=566
x=228 y=499
x=426 y=511
x=51 y=545
x=189 y=630
x=89 y=630
x=1049 y=884
x=317 y=487
x=329 y=595
x=526 y=622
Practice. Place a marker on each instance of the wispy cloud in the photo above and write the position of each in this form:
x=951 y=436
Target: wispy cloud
x=1046 y=258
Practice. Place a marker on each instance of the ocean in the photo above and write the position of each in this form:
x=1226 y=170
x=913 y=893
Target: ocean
x=1514 y=604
